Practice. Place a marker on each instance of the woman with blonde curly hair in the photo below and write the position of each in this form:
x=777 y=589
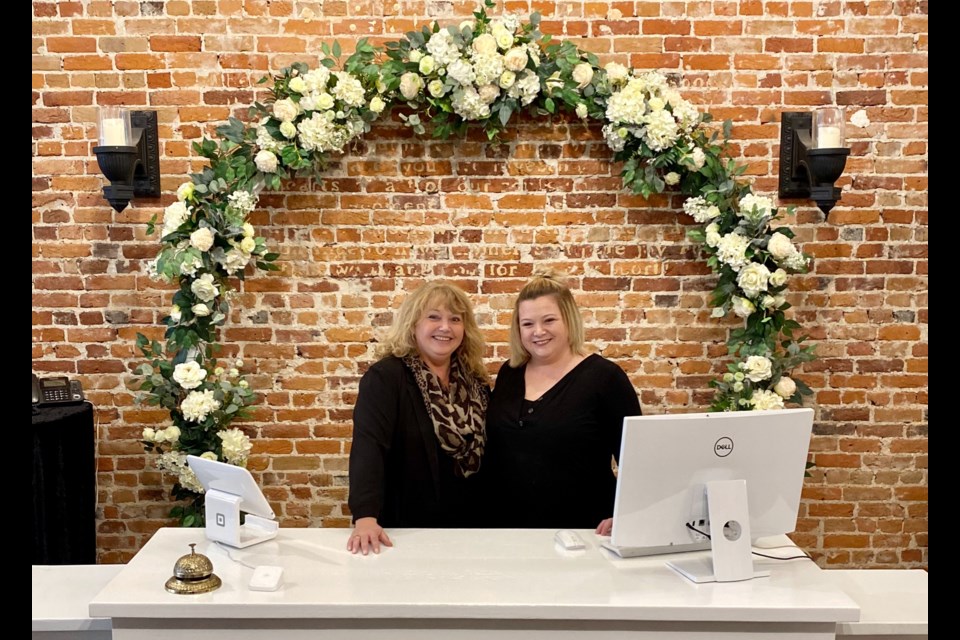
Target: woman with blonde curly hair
x=418 y=422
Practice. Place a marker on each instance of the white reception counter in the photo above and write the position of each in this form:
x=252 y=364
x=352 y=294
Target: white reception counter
x=476 y=583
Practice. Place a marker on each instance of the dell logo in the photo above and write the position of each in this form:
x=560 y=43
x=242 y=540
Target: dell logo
x=723 y=447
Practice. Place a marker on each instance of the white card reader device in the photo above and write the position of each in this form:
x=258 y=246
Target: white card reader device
x=266 y=577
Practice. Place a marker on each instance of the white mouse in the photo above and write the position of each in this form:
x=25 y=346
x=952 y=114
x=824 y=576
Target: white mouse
x=569 y=539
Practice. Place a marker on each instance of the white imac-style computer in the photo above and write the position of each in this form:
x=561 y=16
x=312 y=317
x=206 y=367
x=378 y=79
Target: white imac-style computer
x=735 y=476
x=228 y=491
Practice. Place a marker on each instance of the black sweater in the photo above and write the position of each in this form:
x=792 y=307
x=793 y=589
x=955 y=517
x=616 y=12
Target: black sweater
x=547 y=463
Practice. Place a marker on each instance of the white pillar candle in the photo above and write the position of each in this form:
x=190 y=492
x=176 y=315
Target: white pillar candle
x=113 y=132
x=828 y=138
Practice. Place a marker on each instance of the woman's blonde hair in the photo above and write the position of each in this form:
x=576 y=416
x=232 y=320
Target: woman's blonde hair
x=547 y=283
x=401 y=340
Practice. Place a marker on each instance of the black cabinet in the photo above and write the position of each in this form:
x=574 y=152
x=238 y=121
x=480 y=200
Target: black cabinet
x=64 y=485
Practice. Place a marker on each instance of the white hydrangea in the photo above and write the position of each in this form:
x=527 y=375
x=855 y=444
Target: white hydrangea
x=700 y=210
x=174 y=216
x=175 y=462
x=316 y=79
x=235 y=260
x=732 y=250
x=467 y=104
x=487 y=67
x=236 y=446
x=611 y=135
x=319 y=132
x=462 y=72
x=753 y=279
x=189 y=375
x=533 y=50
x=198 y=405
x=242 y=201
x=753 y=207
x=627 y=105
x=795 y=262
x=617 y=74
x=443 y=49
x=266 y=141
x=348 y=89
x=526 y=88
x=662 y=131
x=766 y=400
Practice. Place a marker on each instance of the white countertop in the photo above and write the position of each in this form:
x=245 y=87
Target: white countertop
x=892 y=601
x=466 y=574
x=62 y=594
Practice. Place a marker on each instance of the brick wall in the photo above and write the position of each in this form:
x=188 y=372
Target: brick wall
x=398 y=209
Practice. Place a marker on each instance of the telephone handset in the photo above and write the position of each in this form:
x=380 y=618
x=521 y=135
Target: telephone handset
x=56 y=390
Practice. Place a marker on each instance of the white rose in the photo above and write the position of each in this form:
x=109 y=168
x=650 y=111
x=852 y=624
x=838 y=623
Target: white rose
x=202 y=239
x=503 y=36
x=699 y=157
x=288 y=129
x=204 y=287
x=208 y=455
x=656 y=104
x=780 y=246
x=247 y=230
x=200 y=310
x=410 y=85
x=582 y=74
x=672 y=178
x=324 y=101
x=484 y=43
x=174 y=216
x=175 y=313
x=248 y=245
x=285 y=110
x=415 y=55
x=427 y=65
x=757 y=368
x=582 y=110
x=713 y=234
x=767 y=302
x=753 y=279
x=185 y=191
x=507 y=78
x=149 y=434
x=297 y=84
x=515 y=59
x=171 y=434
x=189 y=375
x=743 y=307
x=785 y=387
x=266 y=161
x=488 y=93
x=778 y=278
x=436 y=88
x=377 y=104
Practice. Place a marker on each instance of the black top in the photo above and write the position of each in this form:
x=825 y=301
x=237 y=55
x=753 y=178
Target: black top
x=547 y=462
x=398 y=472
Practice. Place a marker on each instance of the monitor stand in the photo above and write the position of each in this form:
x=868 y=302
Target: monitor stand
x=731 y=556
x=222 y=513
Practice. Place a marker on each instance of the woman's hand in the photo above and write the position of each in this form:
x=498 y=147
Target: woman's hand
x=367 y=535
x=605 y=528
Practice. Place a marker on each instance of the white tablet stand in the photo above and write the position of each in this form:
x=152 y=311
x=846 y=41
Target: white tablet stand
x=222 y=512
x=731 y=553
x=230 y=490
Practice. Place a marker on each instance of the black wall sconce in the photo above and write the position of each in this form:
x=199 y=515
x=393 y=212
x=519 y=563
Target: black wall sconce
x=128 y=154
x=812 y=155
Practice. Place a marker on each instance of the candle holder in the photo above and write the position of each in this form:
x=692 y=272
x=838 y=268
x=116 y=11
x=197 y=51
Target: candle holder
x=128 y=155
x=808 y=170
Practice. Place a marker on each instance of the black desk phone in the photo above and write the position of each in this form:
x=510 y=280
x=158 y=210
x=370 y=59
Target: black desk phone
x=56 y=390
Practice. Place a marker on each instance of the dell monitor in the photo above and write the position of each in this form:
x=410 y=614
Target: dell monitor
x=228 y=491
x=732 y=476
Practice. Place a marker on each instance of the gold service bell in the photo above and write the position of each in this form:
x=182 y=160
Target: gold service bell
x=193 y=573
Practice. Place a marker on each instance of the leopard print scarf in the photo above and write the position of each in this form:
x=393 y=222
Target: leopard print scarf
x=458 y=413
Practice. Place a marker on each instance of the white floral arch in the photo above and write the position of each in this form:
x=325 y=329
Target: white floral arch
x=477 y=74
